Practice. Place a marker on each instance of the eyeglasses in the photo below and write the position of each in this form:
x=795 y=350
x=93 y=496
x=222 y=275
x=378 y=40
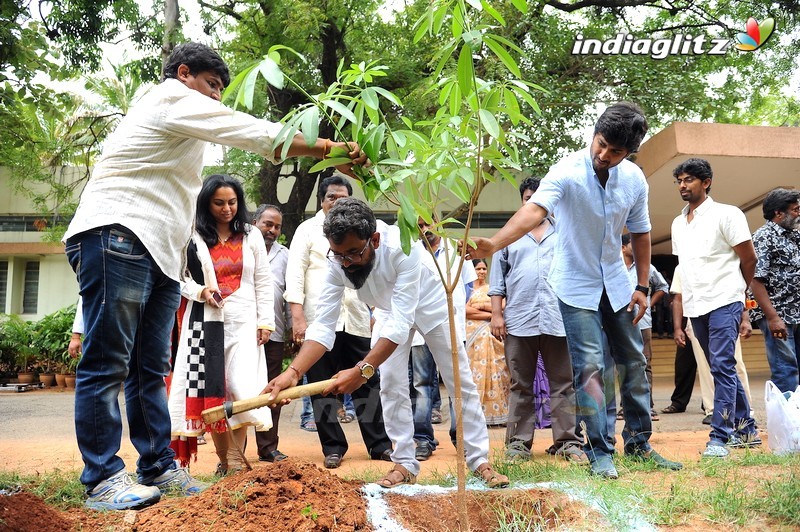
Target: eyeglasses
x=351 y=259
x=686 y=180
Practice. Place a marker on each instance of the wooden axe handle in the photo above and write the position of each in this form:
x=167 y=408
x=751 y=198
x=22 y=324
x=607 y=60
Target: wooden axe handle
x=217 y=413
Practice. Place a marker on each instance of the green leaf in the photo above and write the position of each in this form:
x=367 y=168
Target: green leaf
x=473 y=39
x=529 y=99
x=271 y=72
x=503 y=55
x=521 y=5
x=408 y=211
x=310 y=125
x=370 y=98
x=467 y=175
x=466 y=71
x=406 y=233
x=327 y=163
x=495 y=14
x=388 y=95
x=490 y=122
x=248 y=88
x=341 y=109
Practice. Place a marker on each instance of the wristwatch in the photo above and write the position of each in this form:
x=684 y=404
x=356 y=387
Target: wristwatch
x=367 y=369
x=643 y=289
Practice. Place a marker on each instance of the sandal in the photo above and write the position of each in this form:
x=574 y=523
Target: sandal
x=344 y=416
x=492 y=478
x=672 y=409
x=574 y=454
x=392 y=480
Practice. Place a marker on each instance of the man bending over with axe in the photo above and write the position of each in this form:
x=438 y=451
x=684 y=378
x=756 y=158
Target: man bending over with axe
x=365 y=254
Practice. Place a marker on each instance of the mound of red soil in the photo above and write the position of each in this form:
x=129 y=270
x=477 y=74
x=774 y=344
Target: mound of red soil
x=24 y=511
x=291 y=495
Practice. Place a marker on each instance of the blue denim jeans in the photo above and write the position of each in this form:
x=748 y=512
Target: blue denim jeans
x=307 y=414
x=129 y=309
x=585 y=330
x=783 y=356
x=717 y=332
x=423 y=379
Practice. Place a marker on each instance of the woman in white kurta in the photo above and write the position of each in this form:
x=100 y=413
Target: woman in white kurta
x=228 y=317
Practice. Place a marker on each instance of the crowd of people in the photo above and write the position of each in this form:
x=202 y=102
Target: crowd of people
x=559 y=317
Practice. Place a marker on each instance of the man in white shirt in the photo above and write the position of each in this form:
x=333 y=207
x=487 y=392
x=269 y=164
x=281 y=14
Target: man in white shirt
x=269 y=220
x=424 y=381
x=366 y=255
x=124 y=243
x=305 y=280
x=718 y=261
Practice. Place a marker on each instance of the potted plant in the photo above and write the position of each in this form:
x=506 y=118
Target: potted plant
x=52 y=340
x=18 y=335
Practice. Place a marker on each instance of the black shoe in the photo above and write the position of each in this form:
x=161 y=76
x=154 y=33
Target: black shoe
x=707 y=420
x=273 y=456
x=332 y=461
x=423 y=452
x=386 y=456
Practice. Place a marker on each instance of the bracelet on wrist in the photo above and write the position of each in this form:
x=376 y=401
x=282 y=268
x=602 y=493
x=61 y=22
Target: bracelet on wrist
x=296 y=371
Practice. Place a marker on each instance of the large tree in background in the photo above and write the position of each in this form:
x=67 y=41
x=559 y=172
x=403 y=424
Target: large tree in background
x=738 y=87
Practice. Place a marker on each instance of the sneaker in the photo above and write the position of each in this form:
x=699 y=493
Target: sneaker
x=657 y=459
x=604 y=467
x=423 y=452
x=436 y=416
x=120 y=492
x=516 y=450
x=707 y=420
x=714 y=450
x=178 y=481
x=746 y=440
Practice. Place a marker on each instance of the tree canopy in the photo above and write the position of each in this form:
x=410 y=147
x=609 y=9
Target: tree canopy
x=62 y=38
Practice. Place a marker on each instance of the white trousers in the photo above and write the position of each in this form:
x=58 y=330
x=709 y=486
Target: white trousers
x=396 y=401
x=704 y=372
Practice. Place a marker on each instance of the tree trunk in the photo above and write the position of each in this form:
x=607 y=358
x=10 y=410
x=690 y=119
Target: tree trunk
x=171 y=26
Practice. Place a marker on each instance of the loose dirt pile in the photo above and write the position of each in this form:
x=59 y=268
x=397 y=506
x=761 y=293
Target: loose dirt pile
x=294 y=495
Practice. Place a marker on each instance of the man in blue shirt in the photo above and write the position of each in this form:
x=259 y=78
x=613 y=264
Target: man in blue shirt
x=594 y=194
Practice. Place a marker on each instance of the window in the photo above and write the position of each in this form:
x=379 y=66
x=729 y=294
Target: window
x=3 y=284
x=30 y=296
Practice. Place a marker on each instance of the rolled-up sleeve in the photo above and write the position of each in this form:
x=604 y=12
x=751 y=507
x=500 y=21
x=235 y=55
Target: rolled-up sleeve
x=497 y=275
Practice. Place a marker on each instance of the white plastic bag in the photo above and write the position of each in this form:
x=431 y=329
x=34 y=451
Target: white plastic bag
x=783 y=419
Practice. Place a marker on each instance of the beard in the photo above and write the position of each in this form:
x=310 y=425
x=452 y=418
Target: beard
x=358 y=276
x=790 y=222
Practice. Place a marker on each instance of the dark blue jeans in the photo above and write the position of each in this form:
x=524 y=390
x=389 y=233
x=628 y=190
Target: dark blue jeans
x=422 y=376
x=717 y=332
x=783 y=355
x=585 y=330
x=129 y=309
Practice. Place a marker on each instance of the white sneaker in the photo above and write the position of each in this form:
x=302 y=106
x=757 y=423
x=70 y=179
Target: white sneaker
x=120 y=492
x=716 y=451
x=178 y=481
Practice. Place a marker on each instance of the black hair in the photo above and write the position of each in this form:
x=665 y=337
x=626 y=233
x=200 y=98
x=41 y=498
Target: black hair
x=779 y=200
x=530 y=183
x=475 y=262
x=335 y=180
x=205 y=224
x=349 y=215
x=695 y=167
x=265 y=207
x=199 y=58
x=626 y=239
x=622 y=124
